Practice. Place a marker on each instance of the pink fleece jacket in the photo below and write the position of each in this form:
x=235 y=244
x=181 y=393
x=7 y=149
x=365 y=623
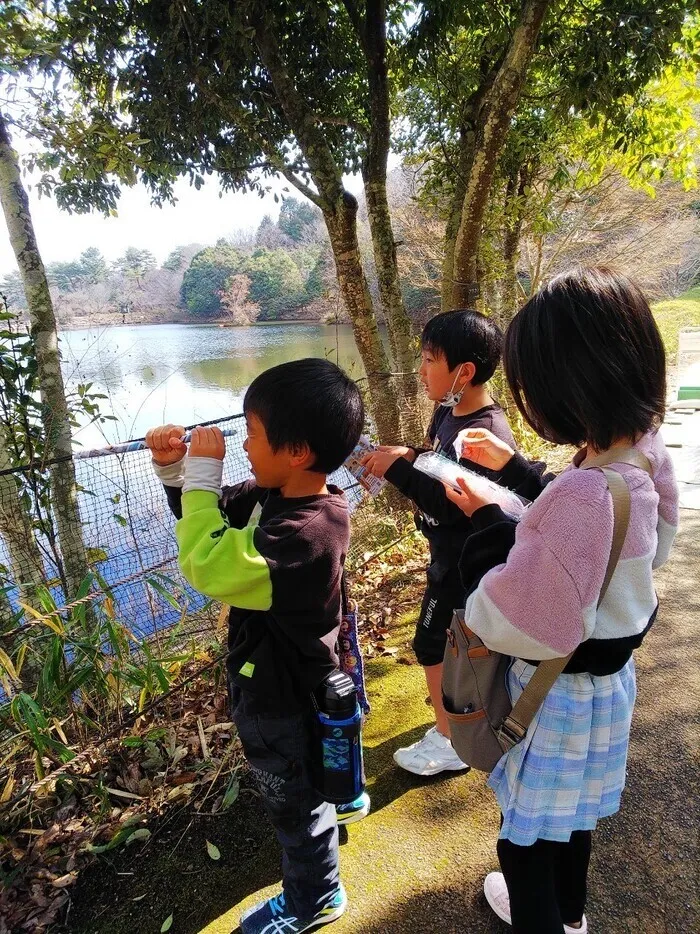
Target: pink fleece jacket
x=542 y=603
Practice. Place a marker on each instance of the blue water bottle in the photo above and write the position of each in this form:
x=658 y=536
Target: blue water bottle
x=339 y=775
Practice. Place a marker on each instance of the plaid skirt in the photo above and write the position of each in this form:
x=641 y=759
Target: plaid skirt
x=569 y=770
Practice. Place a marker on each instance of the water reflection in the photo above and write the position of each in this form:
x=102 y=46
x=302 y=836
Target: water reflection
x=160 y=373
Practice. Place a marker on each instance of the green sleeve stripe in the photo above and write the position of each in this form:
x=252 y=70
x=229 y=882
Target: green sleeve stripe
x=218 y=561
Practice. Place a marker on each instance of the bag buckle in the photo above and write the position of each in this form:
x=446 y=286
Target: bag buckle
x=452 y=642
x=511 y=732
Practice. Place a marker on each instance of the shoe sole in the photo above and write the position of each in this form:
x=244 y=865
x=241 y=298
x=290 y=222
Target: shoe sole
x=496 y=910
x=426 y=773
x=353 y=818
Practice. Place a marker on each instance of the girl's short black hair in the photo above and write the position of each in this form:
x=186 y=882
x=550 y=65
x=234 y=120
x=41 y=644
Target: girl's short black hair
x=465 y=336
x=585 y=361
x=308 y=402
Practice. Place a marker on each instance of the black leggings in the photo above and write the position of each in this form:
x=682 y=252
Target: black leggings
x=546 y=882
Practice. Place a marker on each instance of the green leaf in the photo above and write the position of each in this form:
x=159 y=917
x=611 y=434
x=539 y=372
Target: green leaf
x=143 y=833
x=122 y=836
x=165 y=594
x=234 y=786
x=167 y=924
x=213 y=851
x=96 y=554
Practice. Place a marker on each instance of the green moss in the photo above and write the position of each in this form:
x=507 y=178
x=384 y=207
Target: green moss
x=676 y=313
x=418 y=829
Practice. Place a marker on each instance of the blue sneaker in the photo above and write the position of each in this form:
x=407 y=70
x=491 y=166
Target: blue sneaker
x=356 y=810
x=273 y=917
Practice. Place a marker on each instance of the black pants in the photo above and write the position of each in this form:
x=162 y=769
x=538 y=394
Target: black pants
x=546 y=882
x=278 y=750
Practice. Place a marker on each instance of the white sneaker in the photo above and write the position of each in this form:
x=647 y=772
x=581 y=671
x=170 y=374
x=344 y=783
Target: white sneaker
x=496 y=892
x=430 y=755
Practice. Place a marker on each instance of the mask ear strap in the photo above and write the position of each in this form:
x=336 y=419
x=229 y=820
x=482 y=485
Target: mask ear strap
x=452 y=398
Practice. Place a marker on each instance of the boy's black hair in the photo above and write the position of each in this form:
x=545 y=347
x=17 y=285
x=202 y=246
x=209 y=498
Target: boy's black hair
x=465 y=336
x=585 y=361
x=308 y=401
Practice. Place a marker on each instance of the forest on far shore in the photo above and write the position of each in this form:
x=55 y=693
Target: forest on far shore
x=284 y=270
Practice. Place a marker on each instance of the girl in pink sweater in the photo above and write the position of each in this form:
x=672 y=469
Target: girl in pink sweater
x=586 y=366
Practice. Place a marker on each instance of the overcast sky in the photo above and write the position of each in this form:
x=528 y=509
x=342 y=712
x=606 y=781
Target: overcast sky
x=197 y=217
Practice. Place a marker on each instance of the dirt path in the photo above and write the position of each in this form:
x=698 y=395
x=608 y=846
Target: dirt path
x=417 y=863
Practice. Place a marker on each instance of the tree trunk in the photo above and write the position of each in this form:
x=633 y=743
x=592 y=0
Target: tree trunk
x=43 y=330
x=340 y=212
x=342 y=229
x=454 y=217
x=372 y=36
x=466 y=144
x=405 y=386
x=26 y=563
x=494 y=123
x=517 y=184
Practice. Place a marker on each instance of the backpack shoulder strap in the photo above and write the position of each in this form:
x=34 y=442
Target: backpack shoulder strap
x=630 y=456
x=515 y=725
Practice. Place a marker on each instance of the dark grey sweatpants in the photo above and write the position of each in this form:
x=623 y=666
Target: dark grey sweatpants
x=278 y=750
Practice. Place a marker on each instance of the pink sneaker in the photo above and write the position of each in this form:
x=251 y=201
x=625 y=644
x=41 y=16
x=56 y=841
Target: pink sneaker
x=496 y=892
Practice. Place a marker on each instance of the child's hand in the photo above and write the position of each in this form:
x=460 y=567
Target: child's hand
x=480 y=446
x=208 y=442
x=467 y=500
x=165 y=444
x=399 y=450
x=379 y=461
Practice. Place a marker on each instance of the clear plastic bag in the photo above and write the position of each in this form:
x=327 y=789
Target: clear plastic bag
x=442 y=468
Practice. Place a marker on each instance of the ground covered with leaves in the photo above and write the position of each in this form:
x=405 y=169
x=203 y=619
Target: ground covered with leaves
x=108 y=845
x=182 y=754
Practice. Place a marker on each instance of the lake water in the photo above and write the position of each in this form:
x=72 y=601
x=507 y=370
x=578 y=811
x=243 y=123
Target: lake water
x=186 y=373
x=167 y=373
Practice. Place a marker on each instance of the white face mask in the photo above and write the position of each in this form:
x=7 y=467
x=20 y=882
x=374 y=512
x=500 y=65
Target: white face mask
x=452 y=398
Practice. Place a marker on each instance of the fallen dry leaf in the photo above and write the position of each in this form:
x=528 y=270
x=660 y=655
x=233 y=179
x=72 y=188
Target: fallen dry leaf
x=63 y=881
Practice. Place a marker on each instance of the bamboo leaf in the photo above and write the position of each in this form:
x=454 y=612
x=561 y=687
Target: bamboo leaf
x=231 y=793
x=123 y=794
x=7 y=790
x=46 y=620
x=121 y=836
x=165 y=594
x=6 y=663
x=143 y=833
x=20 y=658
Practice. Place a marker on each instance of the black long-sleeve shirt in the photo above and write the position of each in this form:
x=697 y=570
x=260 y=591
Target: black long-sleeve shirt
x=444 y=524
x=283 y=576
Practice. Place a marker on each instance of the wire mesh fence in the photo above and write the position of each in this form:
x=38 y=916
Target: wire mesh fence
x=128 y=529
x=80 y=666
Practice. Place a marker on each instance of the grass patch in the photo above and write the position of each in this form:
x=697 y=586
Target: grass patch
x=676 y=313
